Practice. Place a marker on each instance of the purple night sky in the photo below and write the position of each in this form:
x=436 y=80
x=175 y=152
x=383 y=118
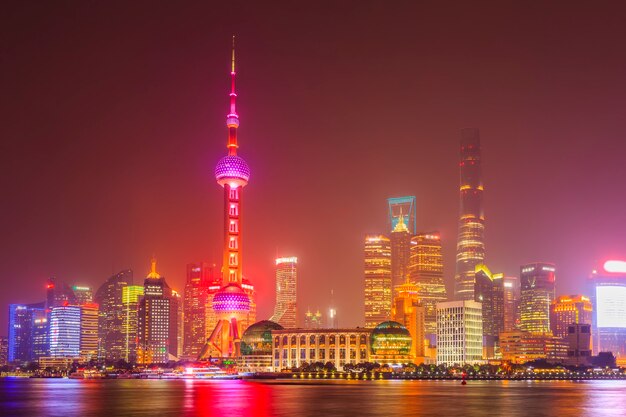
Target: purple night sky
x=114 y=118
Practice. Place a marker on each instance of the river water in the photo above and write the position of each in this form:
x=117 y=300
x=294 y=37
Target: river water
x=164 y=398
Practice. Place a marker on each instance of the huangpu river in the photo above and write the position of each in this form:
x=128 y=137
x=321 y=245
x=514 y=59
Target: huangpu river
x=164 y=398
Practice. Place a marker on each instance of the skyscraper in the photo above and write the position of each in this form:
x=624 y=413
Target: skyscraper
x=199 y=279
x=89 y=331
x=537 y=293
x=408 y=311
x=426 y=271
x=84 y=295
x=608 y=288
x=470 y=249
x=400 y=239
x=459 y=332
x=285 y=309
x=157 y=320
x=511 y=288
x=402 y=208
x=313 y=320
x=58 y=293
x=4 y=351
x=112 y=339
x=231 y=304
x=378 y=286
x=569 y=309
x=131 y=295
x=65 y=331
x=21 y=330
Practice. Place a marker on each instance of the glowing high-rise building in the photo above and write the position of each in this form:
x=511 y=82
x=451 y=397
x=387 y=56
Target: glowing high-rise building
x=470 y=249
x=400 y=239
x=232 y=304
x=23 y=322
x=285 y=309
x=157 y=320
x=511 y=288
x=313 y=320
x=89 y=331
x=58 y=293
x=426 y=272
x=65 y=331
x=408 y=311
x=84 y=295
x=131 y=294
x=402 y=208
x=200 y=276
x=378 y=287
x=111 y=335
x=608 y=289
x=459 y=332
x=537 y=293
x=569 y=309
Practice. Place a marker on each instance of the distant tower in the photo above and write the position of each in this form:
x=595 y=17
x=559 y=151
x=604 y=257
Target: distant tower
x=537 y=293
x=378 y=294
x=232 y=304
x=131 y=297
x=470 y=249
x=410 y=312
x=402 y=208
x=426 y=272
x=285 y=309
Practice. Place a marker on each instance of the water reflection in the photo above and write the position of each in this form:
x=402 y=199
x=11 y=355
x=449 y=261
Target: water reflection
x=67 y=398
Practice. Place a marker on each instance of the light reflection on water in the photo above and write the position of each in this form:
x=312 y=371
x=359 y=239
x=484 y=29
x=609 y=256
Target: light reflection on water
x=163 y=398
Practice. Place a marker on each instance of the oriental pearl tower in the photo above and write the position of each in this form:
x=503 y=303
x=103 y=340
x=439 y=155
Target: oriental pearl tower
x=232 y=304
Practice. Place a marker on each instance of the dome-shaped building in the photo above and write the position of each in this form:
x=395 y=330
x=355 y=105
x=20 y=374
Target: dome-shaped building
x=257 y=339
x=391 y=343
x=256 y=346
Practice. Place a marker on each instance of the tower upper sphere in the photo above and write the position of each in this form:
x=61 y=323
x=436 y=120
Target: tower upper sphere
x=233 y=170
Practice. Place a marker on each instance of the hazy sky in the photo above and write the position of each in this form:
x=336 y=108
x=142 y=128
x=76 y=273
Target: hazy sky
x=113 y=117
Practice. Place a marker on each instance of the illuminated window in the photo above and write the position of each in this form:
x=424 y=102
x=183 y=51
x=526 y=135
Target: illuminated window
x=232 y=259
x=232 y=243
x=233 y=209
x=234 y=194
x=233 y=227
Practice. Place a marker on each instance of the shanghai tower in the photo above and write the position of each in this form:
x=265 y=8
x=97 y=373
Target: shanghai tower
x=470 y=248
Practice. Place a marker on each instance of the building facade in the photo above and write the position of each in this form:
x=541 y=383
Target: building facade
x=131 y=295
x=200 y=277
x=608 y=289
x=470 y=249
x=426 y=271
x=293 y=347
x=511 y=289
x=313 y=320
x=537 y=293
x=378 y=289
x=23 y=322
x=569 y=309
x=459 y=332
x=285 y=308
x=520 y=347
x=408 y=311
x=112 y=340
x=89 y=316
x=65 y=331
x=83 y=294
x=400 y=240
x=578 y=340
x=157 y=320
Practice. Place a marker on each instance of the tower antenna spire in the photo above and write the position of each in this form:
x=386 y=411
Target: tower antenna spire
x=232 y=69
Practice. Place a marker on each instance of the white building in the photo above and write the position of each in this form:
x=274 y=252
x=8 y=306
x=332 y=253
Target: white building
x=459 y=332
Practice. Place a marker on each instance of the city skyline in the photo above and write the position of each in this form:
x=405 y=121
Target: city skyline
x=82 y=234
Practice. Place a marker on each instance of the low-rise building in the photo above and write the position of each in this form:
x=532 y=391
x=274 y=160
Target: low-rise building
x=521 y=347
